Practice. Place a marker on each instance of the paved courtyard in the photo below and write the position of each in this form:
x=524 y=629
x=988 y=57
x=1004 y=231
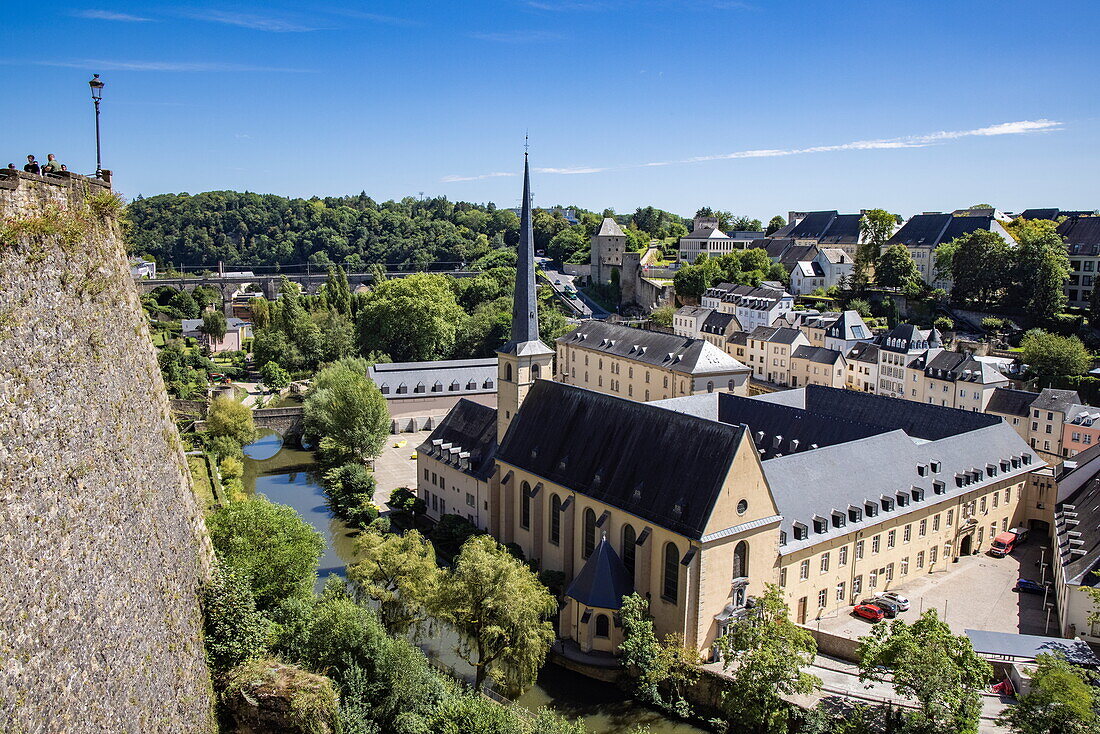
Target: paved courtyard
x=975 y=593
x=395 y=467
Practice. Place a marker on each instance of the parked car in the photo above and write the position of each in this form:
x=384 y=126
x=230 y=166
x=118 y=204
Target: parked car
x=868 y=611
x=889 y=608
x=893 y=596
x=1027 y=586
x=1007 y=541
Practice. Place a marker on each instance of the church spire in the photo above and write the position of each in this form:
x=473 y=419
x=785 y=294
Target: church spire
x=525 y=320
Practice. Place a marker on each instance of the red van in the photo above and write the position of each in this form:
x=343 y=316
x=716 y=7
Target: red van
x=1005 y=542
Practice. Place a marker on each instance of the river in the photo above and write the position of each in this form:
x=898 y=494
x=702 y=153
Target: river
x=286 y=475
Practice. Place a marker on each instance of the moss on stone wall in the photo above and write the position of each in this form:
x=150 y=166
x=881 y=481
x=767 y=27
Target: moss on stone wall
x=104 y=544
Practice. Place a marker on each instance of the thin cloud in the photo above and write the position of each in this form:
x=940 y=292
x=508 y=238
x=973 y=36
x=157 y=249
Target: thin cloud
x=268 y=23
x=517 y=37
x=373 y=17
x=1021 y=127
x=184 y=66
x=455 y=179
x=109 y=15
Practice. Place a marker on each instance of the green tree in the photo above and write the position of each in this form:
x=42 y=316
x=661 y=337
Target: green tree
x=337 y=291
x=775 y=224
x=270 y=545
x=274 y=376
x=501 y=610
x=980 y=266
x=233 y=630
x=346 y=413
x=663 y=316
x=1063 y=700
x=214 y=325
x=1050 y=354
x=943 y=323
x=896 y=269
x=925 y=661
x=767 y=653
x=875 y=228
x=184 y=304
x=399 y=573
x=1094 y=308
x=1041 y=269
x=227 y=417
x=350 y=490
x=411 y=319
x=860 y=306
x=662 y=671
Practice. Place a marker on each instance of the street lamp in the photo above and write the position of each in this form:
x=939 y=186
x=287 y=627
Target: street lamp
x=97 y=95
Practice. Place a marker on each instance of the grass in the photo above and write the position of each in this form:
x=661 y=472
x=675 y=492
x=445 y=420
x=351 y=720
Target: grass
x=200 y=476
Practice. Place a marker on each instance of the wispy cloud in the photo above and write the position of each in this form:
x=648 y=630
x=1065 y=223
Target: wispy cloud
x=109 y=15
x=1021 y=127
x=518 y=36
x=110 y=65
x=268 y=23
x=372 y=17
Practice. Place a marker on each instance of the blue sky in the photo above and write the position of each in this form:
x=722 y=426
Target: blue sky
x=758 y=106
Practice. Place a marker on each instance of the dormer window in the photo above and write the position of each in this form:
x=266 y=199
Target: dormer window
x=801 y=532
x=419 y=387
x=782 y=537
x=402 y=389
x=922 y=470
x=903 y=499
x=385 y=389
x=821 y=525
x=1027 y=458
x=939 y=487
x=960 y=480
x=455 y=386
x=855 y=514
x=471 y=385
x=887 y=504
x=488 y=384
x=871 y=509
x=437 y=387
x=917 y=493
x=839 y=519
x=935 y=467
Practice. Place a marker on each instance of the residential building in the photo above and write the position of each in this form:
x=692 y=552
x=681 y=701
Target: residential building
x=688 y=321
x=608 y=245
x=1049 y=412
x=455 y=464
x=718 y=327
x=952 y=379
x=1014 y=406
x=817 y=366
x=828 y=268
x=1076 y=543
x=787 y=252
x=845 y=332
x=1082 y=236
x=141 y=268
x=862 y=366
x=896 y=349
x=923 y=233
x=1081 y=430
x=237 y=331
x=645 y=365
x=769 y=349
x=826 y=229
x=753 y=306
x=419 y=394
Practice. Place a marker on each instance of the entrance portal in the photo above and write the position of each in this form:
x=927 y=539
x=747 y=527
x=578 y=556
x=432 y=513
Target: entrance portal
x=965 y=544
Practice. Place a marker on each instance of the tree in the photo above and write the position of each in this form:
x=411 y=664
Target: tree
x=661 y=671
x=184 y=304
x=1041 y=269
x=350 y=489
x=775 y=224
x=994 y=325
x=214 y=325
x=1094 y=308
x=451 y=533
x=663 y=316
x=501 y=610
x=233 y=631
x=270 y=545
x=925 y=661
x=980 y=265
x=1050 y=354
x=896 y=269
x=337 y=291
x=692 y=281
x=767 y=653
x=227 y=417
x=399 y=573
x=943 y=323
x=860 y=306
x=346 y=413
x=1062 y=700
x=411 y=319
x=875 y=228
x=274 y=376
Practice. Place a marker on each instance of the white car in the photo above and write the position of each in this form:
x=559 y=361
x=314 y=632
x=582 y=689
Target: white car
x=901 y=601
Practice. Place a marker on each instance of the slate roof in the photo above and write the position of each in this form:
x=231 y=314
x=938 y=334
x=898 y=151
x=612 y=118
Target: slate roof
x=1080 y=513
x=776 y=334
x=775 y=246
x=610 y=228
x=759 y=297
x=930 y=230
x=1082 y=235
x=447 y=377
x=810 y=269
x=717 y=322
x=813 y=226
x=1053 y=214
x=863 y=352
x=621 y=452
x=706 y=233
x=1011 y=402
x=603 y=580
x=835 y=256
x=524 y=339
x=849 y=326
x=844 y=229
x=693 y=311
x=956 y=367
x=677 y=353
x=905 y=338
x=468 y=431
x=821 y=355
x=1055 y=400
x=797 y=253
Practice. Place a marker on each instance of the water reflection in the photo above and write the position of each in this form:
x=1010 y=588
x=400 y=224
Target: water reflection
x=288 y=476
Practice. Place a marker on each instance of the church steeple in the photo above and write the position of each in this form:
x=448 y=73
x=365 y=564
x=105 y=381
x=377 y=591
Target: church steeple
x=524 y=358
x=525 y=319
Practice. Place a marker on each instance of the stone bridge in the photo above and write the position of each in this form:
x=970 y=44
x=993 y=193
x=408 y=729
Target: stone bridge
x=229 y=284
x=287 y=422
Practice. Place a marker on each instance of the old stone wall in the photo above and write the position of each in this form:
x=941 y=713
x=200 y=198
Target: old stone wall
x=104 y=545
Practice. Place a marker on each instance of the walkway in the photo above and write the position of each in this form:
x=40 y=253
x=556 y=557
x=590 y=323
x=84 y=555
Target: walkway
x=395 y=466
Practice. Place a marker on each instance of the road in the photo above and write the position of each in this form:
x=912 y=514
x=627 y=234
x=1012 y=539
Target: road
x=585 y=307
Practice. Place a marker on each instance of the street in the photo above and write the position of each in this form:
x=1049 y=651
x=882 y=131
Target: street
x=582 y=305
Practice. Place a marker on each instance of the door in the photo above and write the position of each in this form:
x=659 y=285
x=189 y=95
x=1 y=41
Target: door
x=802 y=610
x=964 y=545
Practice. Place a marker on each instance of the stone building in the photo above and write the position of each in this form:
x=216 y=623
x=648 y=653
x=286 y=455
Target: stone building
x=419 y=394
x=608 y=246
x=645 y=365
x=923 y=233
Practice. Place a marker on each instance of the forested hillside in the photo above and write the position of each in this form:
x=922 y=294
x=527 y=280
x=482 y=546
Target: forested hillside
x=354 y=231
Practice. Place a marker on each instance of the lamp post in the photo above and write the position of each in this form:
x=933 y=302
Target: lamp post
x=97 y=94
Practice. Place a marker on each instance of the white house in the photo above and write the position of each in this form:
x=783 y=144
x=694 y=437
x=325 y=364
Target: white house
x=752 y=305
x=688 y=321
x=825 y=270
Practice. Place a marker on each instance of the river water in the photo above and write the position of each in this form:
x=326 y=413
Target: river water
x=287 y=475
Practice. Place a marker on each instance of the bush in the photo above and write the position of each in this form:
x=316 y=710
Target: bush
x=234 y=631
x=1066 y=324
x=223 y=447
x=350 y=489
x=861 y=306
x=450 y=533
x=943 y=323
x=994 y=324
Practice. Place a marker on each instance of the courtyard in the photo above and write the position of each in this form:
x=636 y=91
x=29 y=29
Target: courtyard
x=395 y=466
x=974 y=593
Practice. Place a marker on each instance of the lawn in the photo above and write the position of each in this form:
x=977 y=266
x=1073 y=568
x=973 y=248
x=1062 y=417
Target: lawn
x=200 y=477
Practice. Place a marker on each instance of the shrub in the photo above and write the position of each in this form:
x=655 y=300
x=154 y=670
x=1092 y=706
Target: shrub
x=861 y=306
x=234 y=631
x=943 y=323
x=223 y=447
x=350 y=489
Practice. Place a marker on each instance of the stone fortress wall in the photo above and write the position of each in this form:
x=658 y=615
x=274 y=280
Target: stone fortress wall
x=104 y=545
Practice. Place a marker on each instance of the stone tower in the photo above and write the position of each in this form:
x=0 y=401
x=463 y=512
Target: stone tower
x=524 y=358
x=608 y=245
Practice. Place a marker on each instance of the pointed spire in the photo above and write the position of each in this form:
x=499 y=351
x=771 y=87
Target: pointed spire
x=525 y=320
